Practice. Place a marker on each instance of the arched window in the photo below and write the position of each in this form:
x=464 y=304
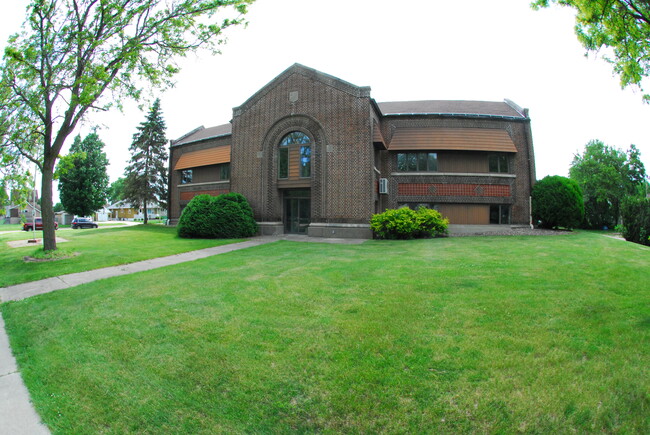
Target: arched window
x=295 y=145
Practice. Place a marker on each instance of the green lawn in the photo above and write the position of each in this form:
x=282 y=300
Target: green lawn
x=474 y=334
x=96 y=248
x=11 y=227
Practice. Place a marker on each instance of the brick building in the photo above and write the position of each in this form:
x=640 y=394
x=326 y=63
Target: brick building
x=314 y=154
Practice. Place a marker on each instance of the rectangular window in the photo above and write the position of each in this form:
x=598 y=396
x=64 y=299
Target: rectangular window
x=500 y=214
x=401 y=162
x=417 y=162
x=224 y=171
x=186 y=176
x=283 y=163
x=498 y=163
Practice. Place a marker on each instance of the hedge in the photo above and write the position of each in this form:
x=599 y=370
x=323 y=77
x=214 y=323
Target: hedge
x=635 y=213
x=225 y=216
x=557 y=202
x=404 y=223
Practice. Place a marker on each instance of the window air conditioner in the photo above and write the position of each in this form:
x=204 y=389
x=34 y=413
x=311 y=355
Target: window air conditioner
x=383 y=185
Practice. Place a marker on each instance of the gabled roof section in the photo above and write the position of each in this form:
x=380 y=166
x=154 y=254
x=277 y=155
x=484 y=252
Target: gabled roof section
x=296 y=68
x=460 y=108
x=201 y=133
x=460 y=139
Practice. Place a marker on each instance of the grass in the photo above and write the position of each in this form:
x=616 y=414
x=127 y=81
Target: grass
x=10 y=227
x=95 y=248
x=490 y=334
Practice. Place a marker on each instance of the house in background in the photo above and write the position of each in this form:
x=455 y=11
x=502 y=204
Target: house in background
x=124 y=210
x=15 y=214
x=317 y=155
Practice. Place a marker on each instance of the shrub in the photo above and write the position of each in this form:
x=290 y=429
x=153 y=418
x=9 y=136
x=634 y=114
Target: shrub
x=557 y=202
x=222 y=217
x=635 y=213
x=404 y=223
x=431 y=222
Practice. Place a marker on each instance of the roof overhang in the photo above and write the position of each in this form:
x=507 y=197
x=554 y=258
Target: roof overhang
x=455 y=139
x=207 y=157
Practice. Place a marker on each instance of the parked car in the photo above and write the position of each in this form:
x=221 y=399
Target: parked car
x=83 y=223
x=27 y=226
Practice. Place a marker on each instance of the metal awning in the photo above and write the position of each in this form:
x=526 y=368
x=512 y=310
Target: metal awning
x=457 y=139
x=210 y=156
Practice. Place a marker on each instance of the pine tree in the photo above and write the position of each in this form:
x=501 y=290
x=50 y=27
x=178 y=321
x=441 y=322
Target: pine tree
x=146 y=175
x=83 y=181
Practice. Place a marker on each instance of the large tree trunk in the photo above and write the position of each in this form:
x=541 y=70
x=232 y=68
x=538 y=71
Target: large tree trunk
x=47 y=208
x=144 y=208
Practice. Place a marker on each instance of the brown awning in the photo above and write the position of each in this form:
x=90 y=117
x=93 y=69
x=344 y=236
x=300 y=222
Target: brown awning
x=463 y=139
x=211 y=156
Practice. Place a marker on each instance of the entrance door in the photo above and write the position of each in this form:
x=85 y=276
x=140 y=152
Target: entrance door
x=297 y=211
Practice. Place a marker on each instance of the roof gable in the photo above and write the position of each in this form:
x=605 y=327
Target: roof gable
x=201 y=133
x=296 y=68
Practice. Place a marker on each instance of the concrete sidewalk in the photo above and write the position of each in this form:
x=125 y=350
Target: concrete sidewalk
x=28 y=289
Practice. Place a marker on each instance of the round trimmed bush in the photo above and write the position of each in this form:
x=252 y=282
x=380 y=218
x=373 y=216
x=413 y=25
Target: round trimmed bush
x=222 y=217
x=194 y=221
x=557 y=202
x=404 y=223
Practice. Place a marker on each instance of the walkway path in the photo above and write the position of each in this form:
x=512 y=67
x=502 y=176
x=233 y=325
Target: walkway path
x=17 y=415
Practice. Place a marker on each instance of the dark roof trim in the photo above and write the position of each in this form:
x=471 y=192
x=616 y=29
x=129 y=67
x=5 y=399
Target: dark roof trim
x=460 y=115
x=296 y=68
x=201 y=138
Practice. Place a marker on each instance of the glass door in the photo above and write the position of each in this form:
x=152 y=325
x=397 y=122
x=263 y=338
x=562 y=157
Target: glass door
x=297 y=211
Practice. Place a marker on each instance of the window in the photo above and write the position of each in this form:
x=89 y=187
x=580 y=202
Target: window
x=305 y=161
x=186 y=176
x=292 y=141
x=498 y=163
x=500 y=214
x=417 y=162
x=224 y=171
x=283 y=167
x=417 y=205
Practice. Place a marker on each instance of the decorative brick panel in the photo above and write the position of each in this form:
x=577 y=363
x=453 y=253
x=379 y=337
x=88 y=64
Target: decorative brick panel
x=437 y=189
x=186 y=196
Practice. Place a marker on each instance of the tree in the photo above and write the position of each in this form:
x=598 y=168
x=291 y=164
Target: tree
x=146 y=174
x=623 y=26
x=83 y=181
x=606 y=175
x=557 y=202
x=116 y=190
x=76 y=56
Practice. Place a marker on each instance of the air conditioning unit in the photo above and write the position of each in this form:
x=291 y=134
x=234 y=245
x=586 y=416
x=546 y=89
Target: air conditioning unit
x=383 y=185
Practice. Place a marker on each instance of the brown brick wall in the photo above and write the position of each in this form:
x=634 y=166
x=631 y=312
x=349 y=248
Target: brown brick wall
x=439 y=189
x=186 y=196
x=204 y=174
x=519 y=186
x=337 y=119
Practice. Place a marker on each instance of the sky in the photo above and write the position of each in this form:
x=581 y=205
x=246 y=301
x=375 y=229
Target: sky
x=416 y=50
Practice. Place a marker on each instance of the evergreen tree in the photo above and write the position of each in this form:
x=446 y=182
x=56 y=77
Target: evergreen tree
x=146 y=175
x=83 y=181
